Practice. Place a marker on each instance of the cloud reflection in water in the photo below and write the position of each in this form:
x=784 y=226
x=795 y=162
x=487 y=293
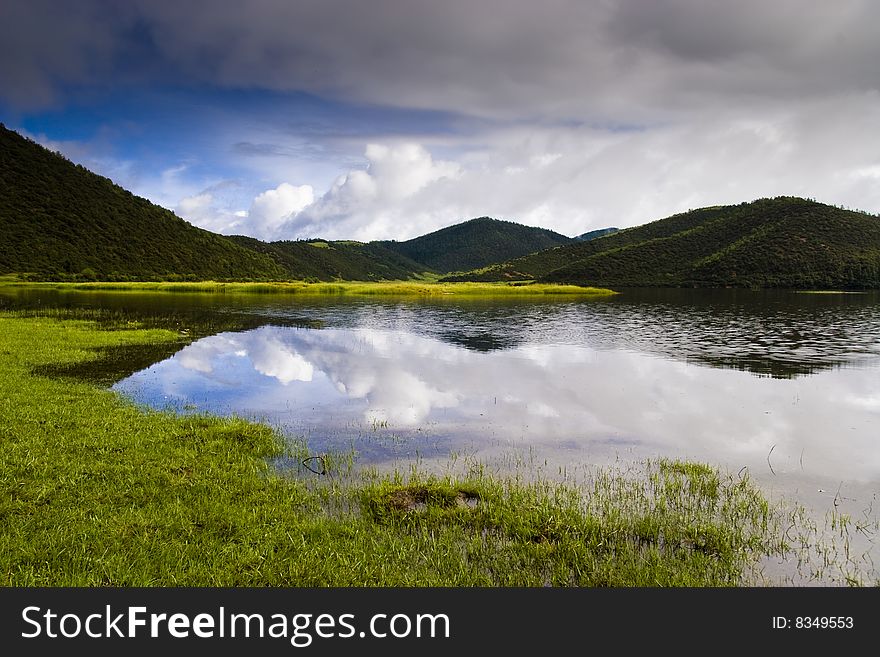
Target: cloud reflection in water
x=555 y=397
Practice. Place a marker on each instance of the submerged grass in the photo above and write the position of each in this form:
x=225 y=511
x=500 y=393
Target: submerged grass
x=654 y=530
x=354 y=288
x=96 y=491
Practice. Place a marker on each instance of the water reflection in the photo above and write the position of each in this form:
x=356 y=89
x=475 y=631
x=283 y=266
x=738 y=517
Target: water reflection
x=390 y=391
x=776 y=334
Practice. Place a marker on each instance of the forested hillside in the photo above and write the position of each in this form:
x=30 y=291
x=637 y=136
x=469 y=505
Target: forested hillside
x=59 y=220
x=780 y=242
x=342 y=260
x=476 y=243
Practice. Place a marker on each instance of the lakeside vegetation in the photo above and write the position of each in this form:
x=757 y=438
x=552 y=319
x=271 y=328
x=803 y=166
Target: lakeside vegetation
x=97 y=491
x=351 y=288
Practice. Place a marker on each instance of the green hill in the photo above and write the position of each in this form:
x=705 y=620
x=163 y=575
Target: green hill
x=326 y=261
x=782 y=242
x=58 y=220
x=593 y=234
x=475 y=243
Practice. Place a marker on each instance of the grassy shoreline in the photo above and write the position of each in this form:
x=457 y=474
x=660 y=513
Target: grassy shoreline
x=390 y=288
x=96 y=491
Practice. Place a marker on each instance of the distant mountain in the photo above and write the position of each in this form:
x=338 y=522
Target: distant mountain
x=475 y=243
x=593 y=234
x=341 y=260
x=58 y=220
x=780 y=242
x=460 y=247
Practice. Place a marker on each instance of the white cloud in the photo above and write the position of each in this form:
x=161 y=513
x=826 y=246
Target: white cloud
x=267 y=354
x=268 y=211
x=205 y=211
x=273 y=207
x=195 y=208
x=382 y=201
x=576 y=178
x=200 y=356
x=274 y=359
x=400 y=171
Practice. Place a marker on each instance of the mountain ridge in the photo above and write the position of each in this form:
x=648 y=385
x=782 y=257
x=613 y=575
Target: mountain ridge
x=786 y=241
x=594 y=234
x=475 y=243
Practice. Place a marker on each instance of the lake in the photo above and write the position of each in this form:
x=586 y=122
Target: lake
x=783 y=385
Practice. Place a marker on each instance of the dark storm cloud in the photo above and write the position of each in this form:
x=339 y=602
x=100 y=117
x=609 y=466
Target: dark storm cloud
x=500 y=58
x=781 y=48
x=44 y=45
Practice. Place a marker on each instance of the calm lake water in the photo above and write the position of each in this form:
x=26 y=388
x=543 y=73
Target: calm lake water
x=786 y=385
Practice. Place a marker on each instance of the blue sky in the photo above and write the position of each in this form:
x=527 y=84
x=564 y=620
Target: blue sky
x=210 y=135
x=389 y=119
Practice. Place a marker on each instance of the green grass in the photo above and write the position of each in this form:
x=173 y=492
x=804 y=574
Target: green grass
x=95 y=491
x=666 y=527
x=391 y=288
x=828 y=292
